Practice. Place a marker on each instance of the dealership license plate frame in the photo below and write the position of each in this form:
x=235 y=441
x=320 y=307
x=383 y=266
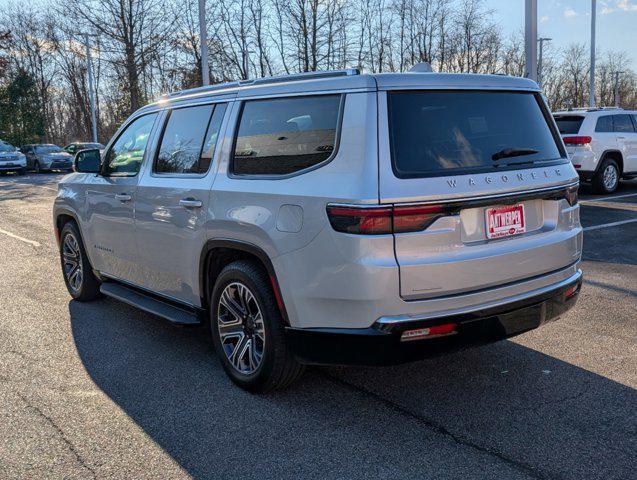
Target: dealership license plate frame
x=505 y=226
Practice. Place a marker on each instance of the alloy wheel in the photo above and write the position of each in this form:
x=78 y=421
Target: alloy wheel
x=72 y=261
x=610 y=177
x=241 y=328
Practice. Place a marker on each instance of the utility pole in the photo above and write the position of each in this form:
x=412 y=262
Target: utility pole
x=616 y=94
x=91 y=95
x=530 y=38
x=591 y=88
x=540 y=66
x=203 y=38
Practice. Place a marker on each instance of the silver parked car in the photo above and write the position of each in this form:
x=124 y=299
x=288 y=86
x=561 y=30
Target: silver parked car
x=331 y=217
x=11 y=160
x=46 y=157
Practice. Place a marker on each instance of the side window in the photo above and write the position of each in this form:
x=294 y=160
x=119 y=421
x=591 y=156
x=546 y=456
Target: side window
x=285 y=135
x=604 y=124
x=623 y=124
x=125 y=155
x=189 y=139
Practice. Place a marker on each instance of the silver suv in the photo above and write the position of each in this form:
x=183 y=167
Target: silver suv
x=331 y=217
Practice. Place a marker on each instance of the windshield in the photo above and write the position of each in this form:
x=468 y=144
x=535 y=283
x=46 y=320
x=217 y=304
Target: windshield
x=7 y=147
x=48 y=149
x=446 y=132
x=569 y=124
x=86 y=146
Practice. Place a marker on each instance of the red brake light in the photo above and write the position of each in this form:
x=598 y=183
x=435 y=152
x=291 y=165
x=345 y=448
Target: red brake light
x=384 y=219
x=577 y=140
x=361 y=220
x=416 y=218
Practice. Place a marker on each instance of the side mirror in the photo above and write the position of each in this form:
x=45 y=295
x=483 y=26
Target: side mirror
x=88 y=161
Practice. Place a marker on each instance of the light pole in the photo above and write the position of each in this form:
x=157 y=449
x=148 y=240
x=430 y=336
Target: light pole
x=530 y=38
x=91 y=96
x=616 y=91
x=540 y=66
x=591 y=87
x=203 y=38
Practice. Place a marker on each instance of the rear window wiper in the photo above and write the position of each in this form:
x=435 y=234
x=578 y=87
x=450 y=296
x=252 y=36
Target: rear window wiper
x=512 y=152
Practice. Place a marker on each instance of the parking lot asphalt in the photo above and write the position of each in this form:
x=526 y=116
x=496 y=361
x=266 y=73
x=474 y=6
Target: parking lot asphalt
x=102 y=390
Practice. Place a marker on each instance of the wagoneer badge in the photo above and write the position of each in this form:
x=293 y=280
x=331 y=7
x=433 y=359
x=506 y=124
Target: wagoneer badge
x=518 y=177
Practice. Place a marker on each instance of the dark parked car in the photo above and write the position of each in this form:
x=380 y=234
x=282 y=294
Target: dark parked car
x=75 y=147
x=46 y=157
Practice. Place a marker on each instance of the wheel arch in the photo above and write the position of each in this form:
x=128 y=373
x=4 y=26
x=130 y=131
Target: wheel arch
x=217 y=253
x=615 y=155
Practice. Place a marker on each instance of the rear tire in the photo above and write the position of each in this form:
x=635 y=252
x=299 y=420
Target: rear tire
x=606 y=180
x=252 y=348
x=76 y=267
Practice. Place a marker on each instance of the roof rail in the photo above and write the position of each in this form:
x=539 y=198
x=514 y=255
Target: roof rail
x=592 y=109
x=294 y=77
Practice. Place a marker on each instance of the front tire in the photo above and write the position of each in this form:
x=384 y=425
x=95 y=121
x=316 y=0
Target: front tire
x=606 y=180
x=248 y=332
x=76 y=268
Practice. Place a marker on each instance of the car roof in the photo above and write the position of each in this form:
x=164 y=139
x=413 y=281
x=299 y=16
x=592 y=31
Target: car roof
x=583 y=112
x=349 y=80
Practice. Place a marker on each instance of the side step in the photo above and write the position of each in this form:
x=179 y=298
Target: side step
x=150 y=304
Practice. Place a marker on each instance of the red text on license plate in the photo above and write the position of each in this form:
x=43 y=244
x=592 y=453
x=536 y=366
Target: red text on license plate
x=505 y=221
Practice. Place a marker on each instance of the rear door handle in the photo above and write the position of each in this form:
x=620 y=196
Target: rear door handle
x=621 y=138
x=123 y=197
x=190 y=203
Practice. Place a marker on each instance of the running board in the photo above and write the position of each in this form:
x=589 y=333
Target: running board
x=150 y=304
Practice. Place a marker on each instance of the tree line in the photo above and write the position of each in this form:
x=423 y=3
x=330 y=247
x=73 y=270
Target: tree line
x=144 y=48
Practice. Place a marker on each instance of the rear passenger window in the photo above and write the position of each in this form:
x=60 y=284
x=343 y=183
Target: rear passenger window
x=189 y=139
x=285 y=135
x=623 y=123
x=604 y=124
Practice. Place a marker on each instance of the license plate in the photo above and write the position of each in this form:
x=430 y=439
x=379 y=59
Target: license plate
x=505 y=221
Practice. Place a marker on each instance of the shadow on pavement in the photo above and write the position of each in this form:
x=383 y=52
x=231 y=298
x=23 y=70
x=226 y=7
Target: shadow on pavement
x=501 y=411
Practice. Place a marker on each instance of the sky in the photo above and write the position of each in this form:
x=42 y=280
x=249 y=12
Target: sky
x=570 y=22
x=566 y=22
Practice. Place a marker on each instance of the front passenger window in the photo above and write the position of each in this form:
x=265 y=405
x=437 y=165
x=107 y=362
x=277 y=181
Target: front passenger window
x=124 y=159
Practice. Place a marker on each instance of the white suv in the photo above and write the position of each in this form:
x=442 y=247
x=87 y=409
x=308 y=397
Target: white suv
x=331 y=217
x=601 y=143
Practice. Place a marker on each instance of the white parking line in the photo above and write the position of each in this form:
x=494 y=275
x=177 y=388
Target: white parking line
x=22 y=239
x=612 y=198
x=612 y=224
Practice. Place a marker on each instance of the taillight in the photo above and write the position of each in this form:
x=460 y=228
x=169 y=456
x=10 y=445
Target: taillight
x=571 y=195
x=577 y=140
x=361 y=220
x=384 y=219
x=416 y=218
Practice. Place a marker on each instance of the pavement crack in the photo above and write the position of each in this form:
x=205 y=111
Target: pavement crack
x=462 y=440
x=61 y=434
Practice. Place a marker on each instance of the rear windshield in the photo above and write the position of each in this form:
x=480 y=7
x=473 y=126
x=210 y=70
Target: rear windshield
x=569 y=124
x=447 y=132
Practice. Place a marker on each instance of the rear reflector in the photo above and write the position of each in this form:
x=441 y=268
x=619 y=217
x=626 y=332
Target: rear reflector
x=571 y=292
x=577 y=140
x=430 y=332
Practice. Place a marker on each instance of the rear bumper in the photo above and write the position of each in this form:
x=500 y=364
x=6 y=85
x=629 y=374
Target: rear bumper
x=381 y=343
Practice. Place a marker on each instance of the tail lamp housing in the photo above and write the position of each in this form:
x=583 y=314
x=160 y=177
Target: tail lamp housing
x=380 y=220
x=577 y=140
